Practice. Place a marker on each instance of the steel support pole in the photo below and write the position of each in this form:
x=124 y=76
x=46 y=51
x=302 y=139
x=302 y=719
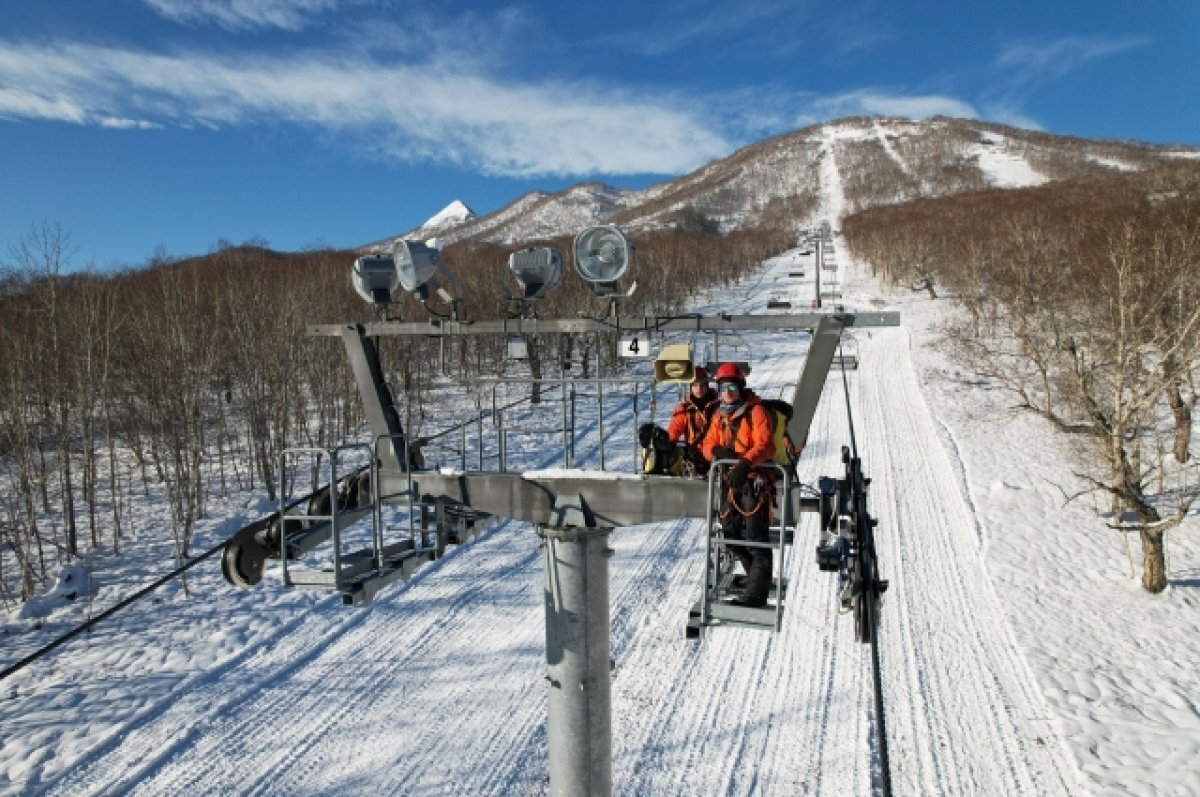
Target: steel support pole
x=819 y=262
x=579 y=724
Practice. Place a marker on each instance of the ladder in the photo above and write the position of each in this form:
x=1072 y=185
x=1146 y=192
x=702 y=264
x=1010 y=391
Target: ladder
x=713 y=609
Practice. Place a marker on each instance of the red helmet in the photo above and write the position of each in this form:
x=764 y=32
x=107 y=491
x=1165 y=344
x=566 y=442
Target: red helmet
x=729 y=372
x=701 y=375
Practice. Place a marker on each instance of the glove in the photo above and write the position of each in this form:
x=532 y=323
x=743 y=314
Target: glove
x=723 y=452
x=738 y=474
x=645 y=435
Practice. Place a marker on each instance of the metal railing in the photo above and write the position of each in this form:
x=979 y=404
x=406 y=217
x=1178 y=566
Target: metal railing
x=569 y=400
x=716 y=539
x=330 y=457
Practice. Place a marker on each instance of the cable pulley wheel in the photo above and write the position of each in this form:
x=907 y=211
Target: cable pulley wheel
x=243 y=561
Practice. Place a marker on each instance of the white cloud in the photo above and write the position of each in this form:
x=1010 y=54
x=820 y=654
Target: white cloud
x=1035 y=61
x=688 y=24
x=115 y=123
x=243 y=14
x=866 y=102
x=446 y=110
x=18 y=104
x=1011 y=116
x=434 y=112
x=1026 y=64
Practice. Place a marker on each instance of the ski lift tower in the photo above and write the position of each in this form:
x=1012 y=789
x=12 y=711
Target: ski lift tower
x=573 y=512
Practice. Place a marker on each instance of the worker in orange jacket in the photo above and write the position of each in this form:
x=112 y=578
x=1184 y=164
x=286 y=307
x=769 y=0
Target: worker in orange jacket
x=690 y=419
x=742 y=430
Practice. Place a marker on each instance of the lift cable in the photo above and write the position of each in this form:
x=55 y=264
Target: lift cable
x=126 y=602
x=37 y=654
x=866 y=545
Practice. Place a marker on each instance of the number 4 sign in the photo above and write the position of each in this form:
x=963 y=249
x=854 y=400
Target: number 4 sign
x=634 y=347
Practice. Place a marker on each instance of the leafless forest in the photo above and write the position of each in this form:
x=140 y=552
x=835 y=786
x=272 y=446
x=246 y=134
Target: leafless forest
x=1081 y=298
x=191 y=376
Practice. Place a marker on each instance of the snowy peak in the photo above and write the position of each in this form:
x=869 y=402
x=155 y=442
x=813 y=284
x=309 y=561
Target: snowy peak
x=453 y=214
x=439 y=226
x=538 y=216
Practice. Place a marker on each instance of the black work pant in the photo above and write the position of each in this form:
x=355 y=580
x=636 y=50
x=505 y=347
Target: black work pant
x=752 y=527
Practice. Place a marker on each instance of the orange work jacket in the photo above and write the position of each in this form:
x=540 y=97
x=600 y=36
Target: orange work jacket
x=747 y=431
x=689 y=420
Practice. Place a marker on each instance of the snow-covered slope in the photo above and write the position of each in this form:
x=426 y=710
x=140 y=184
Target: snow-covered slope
x=884 y=160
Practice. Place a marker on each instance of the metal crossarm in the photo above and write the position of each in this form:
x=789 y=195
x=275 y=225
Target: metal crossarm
x=630 y=324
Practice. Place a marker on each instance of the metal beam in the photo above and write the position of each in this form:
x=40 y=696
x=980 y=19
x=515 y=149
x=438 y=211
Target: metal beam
x=376 y=396
x=550 y=500
x=812 y=379
x=579 y=721
x=568 y=498
x=629 y=324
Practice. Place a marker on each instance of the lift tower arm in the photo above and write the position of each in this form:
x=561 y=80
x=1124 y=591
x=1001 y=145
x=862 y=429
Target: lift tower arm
x=807 y=396
x=376 y=397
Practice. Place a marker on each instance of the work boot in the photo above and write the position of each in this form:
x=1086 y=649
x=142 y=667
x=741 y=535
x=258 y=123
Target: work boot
x=758 y=584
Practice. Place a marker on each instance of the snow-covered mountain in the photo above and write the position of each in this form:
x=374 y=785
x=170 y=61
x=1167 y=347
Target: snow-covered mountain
x=453 y=215
x=881 y=160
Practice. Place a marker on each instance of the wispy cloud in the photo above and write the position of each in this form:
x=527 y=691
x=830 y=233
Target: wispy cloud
x=1026 y=64
x=1011 y=116
x=436 y=112
x=1033 y=61
x=244 y=14
x=16 y=103
x=868 y=102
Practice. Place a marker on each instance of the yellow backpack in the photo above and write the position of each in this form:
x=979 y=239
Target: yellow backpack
x=787 y=453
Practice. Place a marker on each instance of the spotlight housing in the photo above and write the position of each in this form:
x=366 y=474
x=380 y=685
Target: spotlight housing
x=602 y=256
x=538 y=270
x=375 y=278
x=416 y=264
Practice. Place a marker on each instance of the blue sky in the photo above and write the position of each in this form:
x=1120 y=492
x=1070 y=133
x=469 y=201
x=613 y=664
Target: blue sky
x=171 y=125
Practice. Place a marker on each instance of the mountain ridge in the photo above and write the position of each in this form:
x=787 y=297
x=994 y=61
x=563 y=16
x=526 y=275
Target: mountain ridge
x=881 y=160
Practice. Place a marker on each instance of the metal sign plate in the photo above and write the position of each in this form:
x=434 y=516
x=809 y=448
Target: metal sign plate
x=635 y=346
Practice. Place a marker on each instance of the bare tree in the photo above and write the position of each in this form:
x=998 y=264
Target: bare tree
x=43 y=254
x=1082 y=301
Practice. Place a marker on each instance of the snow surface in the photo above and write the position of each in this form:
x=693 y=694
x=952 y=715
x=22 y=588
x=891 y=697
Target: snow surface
x=455 y=212
x=1113 y=163
x=1004 y=169
x=1019 y=655
x=882 y=135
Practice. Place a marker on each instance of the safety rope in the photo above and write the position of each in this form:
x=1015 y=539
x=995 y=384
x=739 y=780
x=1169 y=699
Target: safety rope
x=731 y=500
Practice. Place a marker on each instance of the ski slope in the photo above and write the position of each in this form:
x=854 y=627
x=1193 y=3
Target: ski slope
x=1000 y=675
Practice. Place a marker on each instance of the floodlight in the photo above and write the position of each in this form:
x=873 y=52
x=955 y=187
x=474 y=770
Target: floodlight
x=538 y=270
x=375 y=278
x=602 y=255
x=417 y=264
